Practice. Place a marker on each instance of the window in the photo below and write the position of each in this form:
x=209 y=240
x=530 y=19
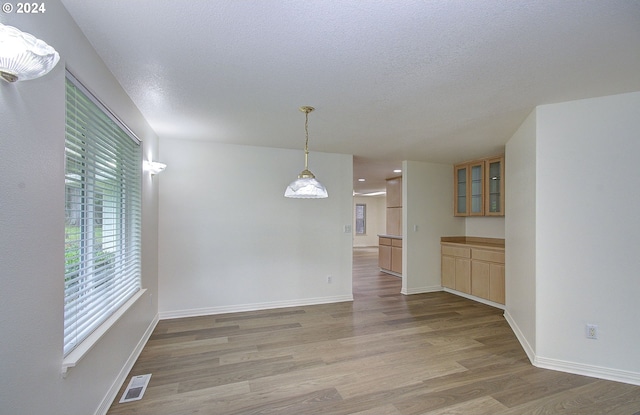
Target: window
x=361 y=219
x=103 y=163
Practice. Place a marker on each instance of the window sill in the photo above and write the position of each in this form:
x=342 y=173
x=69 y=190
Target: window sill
x=72 y=359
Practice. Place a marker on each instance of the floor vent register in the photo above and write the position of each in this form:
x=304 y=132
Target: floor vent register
x=136 y=388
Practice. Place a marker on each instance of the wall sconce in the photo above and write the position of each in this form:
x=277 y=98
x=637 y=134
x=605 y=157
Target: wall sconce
x=153 y=167
x=23 y=56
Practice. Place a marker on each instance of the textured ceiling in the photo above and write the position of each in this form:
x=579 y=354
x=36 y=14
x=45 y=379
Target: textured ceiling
x=440 y=81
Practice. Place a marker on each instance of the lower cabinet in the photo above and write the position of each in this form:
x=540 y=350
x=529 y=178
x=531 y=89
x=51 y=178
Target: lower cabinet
x=474 y=270
x=384 y=255
x=463 y=275
x=390 y=255
x=448 y=266
x=488 y=281
x=396 y=256
x=456 y=268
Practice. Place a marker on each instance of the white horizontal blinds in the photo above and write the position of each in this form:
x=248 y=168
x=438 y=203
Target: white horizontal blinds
x=102 y=215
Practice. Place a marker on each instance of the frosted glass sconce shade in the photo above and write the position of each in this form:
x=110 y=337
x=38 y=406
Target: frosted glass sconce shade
x=24 y=57
x=153 y=167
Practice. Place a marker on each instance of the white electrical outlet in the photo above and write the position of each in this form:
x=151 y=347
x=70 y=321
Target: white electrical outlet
x=592 y=331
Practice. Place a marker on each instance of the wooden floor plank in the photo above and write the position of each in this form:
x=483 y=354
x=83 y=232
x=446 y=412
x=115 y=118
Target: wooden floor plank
x=484 y=405
x=382 y=354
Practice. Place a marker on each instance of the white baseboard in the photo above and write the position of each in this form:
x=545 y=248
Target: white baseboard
x=521 y=338
x=166 y=315
x=599 y=372
x=474 y=298
x=395 y=274
x=588 y=370
x=122 y=376
x=421 y=290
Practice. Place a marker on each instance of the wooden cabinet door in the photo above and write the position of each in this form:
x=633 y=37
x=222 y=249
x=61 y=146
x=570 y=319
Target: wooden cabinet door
x=384 y=256
x=487 y=281
x=476 y=189
x=480 y=279
x=494 y=187
x=394 y=192
x=396 y=259
x=448 y=265
x=461 y=186
x=496 y=283
x=394 y=221
x=463 y=275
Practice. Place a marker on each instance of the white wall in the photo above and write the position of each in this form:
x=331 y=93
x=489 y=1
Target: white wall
x=571 y=229
x=427 y=199
x=32 y=236
x=486 y=226
x=587 y=227
x=376 y=220
x=230 y=240
x=520 y=234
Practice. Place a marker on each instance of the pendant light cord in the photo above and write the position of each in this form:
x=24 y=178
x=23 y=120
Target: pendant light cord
x=306 y=143
x=306 y=111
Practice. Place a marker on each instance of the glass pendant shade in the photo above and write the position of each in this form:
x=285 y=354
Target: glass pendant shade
x=24 y=57
x=306 y=186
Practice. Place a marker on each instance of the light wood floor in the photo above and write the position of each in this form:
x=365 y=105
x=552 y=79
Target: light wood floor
x=383 y=354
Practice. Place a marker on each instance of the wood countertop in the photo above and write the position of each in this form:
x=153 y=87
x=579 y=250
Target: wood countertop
x=496 y=243
x=390 y=236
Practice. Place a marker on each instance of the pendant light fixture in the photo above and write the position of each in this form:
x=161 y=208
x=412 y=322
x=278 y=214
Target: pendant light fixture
x=306 y=186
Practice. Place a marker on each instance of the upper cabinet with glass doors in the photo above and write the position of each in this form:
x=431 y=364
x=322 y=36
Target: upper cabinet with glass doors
x=494 y=186
x=461 y=184
x=479 y=188
x=476 y=194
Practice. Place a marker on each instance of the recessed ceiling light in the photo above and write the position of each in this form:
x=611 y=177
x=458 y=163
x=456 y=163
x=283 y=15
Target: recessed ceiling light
x=397 y=171
x=361 y=180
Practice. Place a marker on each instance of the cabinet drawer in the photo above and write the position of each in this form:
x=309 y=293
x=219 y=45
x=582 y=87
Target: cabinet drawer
x=385 y=241
x=489 y=256
x=396 y=242
x=456 y=251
